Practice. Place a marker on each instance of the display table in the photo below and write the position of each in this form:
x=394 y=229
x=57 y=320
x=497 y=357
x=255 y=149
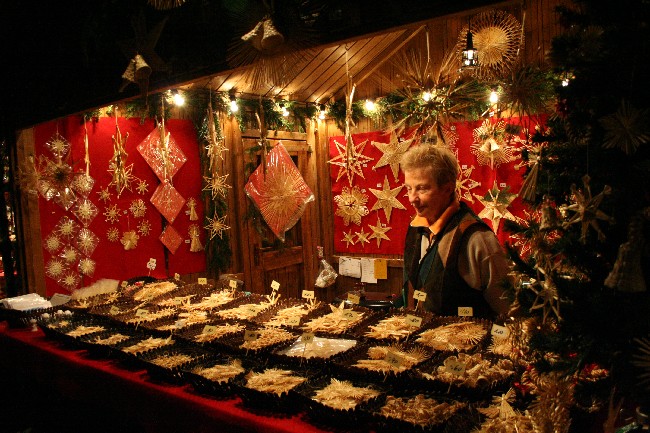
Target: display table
x=42 y=379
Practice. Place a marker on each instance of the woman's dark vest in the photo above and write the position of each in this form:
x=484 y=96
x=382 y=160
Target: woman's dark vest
x=437 y=273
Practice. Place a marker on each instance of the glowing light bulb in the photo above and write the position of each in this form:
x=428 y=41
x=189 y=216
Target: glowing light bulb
x=494 y=97
x=179 y=100
x=426 y=96
x=370 y=105
x=233 y=104
x=321 y=112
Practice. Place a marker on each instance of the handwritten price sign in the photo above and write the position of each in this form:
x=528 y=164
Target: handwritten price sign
x=419 y=295
x=354 y=299
x=499 y=331
x=307 y=337
x=308 y=294
x=455 y=367
x=251 y=335
x=393 y=359
x=465 y=311
x=414 y=321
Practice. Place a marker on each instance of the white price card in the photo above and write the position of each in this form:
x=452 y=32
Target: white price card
x=499 y=331
x=203 y=281
x=354 y=299
x=275 y=285
x=393 y=359
x=141 y=312
x=251 y=335
x=232 y=284
x=308 y=294
x=307 y=337
x=350 y=315
x=465 y=311
x=293 y=321
x=419 y=295
x=414 y=321
x=455 y=367
x=209 y=329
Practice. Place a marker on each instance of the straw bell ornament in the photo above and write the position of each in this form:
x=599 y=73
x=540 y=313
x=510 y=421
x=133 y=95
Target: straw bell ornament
x=549 y=216
x=138 y=71
x=272 y=37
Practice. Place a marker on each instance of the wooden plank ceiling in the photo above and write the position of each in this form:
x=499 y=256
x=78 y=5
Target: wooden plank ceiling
x=322 y=75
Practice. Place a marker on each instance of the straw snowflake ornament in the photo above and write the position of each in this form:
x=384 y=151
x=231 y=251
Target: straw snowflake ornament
x=351 y=205
x=496 y=204
x=586 y=208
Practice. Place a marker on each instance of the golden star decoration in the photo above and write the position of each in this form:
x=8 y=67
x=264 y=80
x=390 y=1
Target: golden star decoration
x=496 y=204
x=87 y=266
x=387 y=199
x=121 y=176
x=351 y=205
x=104 y=194
x=379 y=233
x=144 y=228
x=138 y=208
x=490 y=145
x=362 y=237
x=142 y=187
x=547 y=297
x=350 y=160
x=216 y=185
x=113 y=234
x=465 y=184
x=216 y=226
x=586 y=209
x=392 y=153
x=58 y=145
x=112 y=214
x=348 y=238
x=129 y=240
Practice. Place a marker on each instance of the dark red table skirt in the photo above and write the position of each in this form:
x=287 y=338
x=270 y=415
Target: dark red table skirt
x=62 y=388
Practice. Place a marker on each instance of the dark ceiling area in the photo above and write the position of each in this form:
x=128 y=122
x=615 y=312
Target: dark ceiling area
x=67 y=56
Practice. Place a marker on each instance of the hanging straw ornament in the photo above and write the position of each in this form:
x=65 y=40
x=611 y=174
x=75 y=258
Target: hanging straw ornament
x=138 y=72
x=215 y=145
x=191 y=205
x=548 y=215
x=496 y=204
x=129 y=240
x=490 y=144
x=121 y=173
x=498 y=37
x=627 y=273
x=586 y=209
x=163 y=5
x=195 y=242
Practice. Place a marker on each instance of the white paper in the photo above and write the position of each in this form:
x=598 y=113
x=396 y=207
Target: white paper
x=350 y=267
x=368 y=271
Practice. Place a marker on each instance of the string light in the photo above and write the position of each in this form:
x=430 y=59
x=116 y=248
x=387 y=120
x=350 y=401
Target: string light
x=321 y=112
x=370 y=105
x=426 y=96
x=178 y=98
x=283 y=109
x=494 y=97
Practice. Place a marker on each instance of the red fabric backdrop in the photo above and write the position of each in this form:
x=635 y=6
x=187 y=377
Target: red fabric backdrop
x=112 y=261
x=374 y=178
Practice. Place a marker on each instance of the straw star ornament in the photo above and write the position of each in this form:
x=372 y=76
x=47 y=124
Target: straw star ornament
x=379 y=233
x=586 y=209
x=496 y=204
x=350 y=160
x=351 y=205
x=216 y=185
x=362 y=237
x=387 y=199
x=465 y=184
x=216 y=226
x=348 y=238
x=392 y=153
x=490 y=145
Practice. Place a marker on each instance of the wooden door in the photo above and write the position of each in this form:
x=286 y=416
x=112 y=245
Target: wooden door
x=291 y=262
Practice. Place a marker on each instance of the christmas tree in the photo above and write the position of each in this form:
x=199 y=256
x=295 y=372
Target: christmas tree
x=582 y=276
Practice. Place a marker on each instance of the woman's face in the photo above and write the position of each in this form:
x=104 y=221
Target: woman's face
x=427 y=198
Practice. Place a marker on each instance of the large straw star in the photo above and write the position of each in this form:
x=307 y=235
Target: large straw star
x=350 y=160
x=387 y=198
x=586 y=209
x=496 y=204
x=392 y=152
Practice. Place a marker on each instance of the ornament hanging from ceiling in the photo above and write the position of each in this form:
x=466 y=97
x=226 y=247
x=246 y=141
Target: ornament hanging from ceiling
x=168 y=201
x=58 y=145
x=282 y=194
x=216 y=185
x=162 y=153
x=170 y=239
x=351 y=205
x=531 y=154
x=586 y=209
x=216 y=226
x=387 y=199
x=626 y=129
x=490 y=144
x=216 y=144
x=627 y=273
x=496 y=204
x=498 y=37
x=392 y=153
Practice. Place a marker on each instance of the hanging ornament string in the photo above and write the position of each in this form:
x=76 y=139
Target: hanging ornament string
x=164 y=142
x=263 y=133
x=87 y=156
x=121 y=172
x=349 y=145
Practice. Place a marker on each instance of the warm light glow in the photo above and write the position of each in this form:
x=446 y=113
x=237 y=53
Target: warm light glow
x=494 y=97
x=179 y=100
x=565 y=82
x=426 y=96
x=233 y=104
x=285 y=112
x=370 y=105
x=321 y=112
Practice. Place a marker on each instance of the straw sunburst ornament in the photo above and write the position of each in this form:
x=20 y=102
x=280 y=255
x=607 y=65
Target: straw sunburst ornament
x=351 y=205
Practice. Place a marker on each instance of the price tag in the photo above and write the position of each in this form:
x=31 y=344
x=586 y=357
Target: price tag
x=209 y=329
x=308 y=294
x=414 y=321
x=307 y=337
x=502 y=185
x=463 y=167
x=293 y=321
x=177 y=276
x=124 y=284
x=455 y=367
x=354 y=298
x=251 y=335
x=393 y=359
x=419 y=295
x=179 y=300
x=232 y=284
x=141 y=312
x=203 y=281
x=499 y=331
x=187 y=241
x=275 y=285
x=465 y=311
x=114 y=310
x=350 y=315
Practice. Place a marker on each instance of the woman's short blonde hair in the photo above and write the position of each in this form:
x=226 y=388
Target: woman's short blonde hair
x=442 y=162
